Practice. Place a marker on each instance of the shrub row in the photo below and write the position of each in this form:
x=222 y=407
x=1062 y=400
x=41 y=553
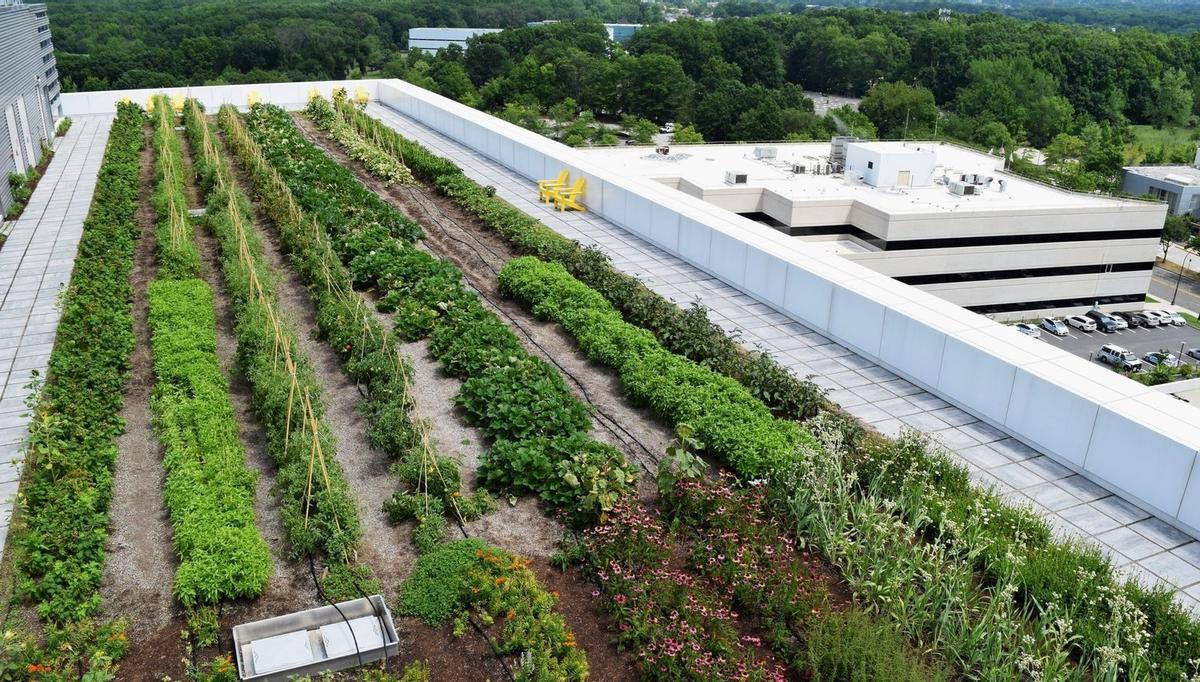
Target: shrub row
x=325 y=519
x=686 y=331
x=177 y=255
x=72 y=437
x=369 y=354
x=508 y=393
x=209 y=491
x=734 y=426
x=467 y=579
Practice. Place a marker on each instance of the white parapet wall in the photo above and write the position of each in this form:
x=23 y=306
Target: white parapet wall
x=289 y=95
x=1130 y=438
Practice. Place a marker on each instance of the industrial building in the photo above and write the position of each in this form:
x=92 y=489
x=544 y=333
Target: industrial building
x=435 y=39
x=1178 y=186
x=29 y=89
x=946 y=219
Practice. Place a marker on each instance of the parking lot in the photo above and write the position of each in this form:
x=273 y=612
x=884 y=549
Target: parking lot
x=1140 y=340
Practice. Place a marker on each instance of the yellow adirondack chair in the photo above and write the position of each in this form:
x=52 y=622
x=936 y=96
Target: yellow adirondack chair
x=547 y=188
x=568 y=197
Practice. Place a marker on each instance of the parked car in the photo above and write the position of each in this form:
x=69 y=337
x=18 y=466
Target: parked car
x=1193 y=353
x=1122 y=323
x=1117 y=356
x=1081 y=323
x=1176 y=318
x=1146 y=319
x=1028 y=330
x=1161 y=357
x=1055 y=327
x=1104 y=321
x=1130 y=319
x=1164 y=318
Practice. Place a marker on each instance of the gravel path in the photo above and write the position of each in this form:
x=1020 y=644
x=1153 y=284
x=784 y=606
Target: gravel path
x=140 y=569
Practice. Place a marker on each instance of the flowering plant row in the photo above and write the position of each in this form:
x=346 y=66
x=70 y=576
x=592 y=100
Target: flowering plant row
x=511 y=395
x=467 y=580
x=319 y=513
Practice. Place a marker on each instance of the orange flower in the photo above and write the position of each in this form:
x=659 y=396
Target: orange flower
x=554 y=594
x=500 y=581
x=510 y=615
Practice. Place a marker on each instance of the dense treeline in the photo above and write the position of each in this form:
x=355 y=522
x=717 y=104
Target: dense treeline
x=986 y=79
x=105 y=44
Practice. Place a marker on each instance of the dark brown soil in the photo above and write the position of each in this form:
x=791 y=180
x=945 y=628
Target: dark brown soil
x=140 y=568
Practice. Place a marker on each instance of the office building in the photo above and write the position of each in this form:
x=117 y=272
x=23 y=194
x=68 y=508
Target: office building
x=29 y=89
x=1178 y=186
x=943 y=218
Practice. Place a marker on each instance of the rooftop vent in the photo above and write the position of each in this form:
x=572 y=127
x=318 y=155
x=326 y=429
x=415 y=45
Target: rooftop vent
x=962 y=189
x=765 y=152
x=735 y=178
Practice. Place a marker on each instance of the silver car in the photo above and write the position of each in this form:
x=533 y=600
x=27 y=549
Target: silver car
x=1028 y=330
x=1055 y=327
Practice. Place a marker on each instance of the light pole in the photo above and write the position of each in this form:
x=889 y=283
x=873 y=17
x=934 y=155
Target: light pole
x=1179 y=279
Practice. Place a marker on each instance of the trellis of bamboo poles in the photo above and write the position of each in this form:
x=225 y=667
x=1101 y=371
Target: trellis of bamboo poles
x=176 y=204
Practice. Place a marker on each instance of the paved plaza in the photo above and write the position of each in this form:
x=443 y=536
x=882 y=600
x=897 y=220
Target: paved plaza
x=35 y=264
x=1144 y=547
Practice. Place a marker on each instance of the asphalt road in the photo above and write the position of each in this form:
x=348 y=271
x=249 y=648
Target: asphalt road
x=1162 y=285
x=1140 y=341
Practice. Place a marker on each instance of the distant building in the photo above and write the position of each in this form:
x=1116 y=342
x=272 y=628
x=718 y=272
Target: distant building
x=616 y=32
x=1178 y=186
x=29 y=89
x=434 y=39
x=943 y=218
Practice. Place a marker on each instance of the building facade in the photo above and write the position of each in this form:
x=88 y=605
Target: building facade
x=942 y=218
x=435 y=39
x=1177 y=186
x=29 y=90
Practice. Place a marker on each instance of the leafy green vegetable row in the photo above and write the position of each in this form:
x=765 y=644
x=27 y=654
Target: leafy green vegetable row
x=733 y=425
x=318 y=509
x=209 y=491
x=72 y=439
x=1049 y=570
x=511 y=395
x=370 y=354
x=686 y=331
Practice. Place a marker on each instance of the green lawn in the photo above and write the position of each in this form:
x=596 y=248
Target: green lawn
x=1191 y=319
x=1149 y=136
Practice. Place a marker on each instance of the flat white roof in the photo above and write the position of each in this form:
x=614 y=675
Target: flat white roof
x=705 y=166
x=1180 y=175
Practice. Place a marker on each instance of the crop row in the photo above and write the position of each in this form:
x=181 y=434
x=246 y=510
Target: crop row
x=686 y=331
x=381 y=164
x=72 y=437
x=517 y=400
x=177 y=255
x=209 y=492
x=369 y=354
x=318 y=509
x=1157 y=634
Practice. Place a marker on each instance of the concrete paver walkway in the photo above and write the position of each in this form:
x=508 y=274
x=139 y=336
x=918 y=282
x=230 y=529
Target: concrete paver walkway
x=35 y=264
x=1142 y=546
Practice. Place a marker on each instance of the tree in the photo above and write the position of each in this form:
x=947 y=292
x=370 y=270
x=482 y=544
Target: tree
x=1172 y=98
x=1046 y=118
x=1064 y=147
x=691 y=42
x=653 y=86
x=753 y=50
x=995 y=135
x=762 y=122
x=900 y=110
x=486 y=59
x=452 y=81
x=687 y=135
x=640 y=130
x=717 y=110
x=1177 y=229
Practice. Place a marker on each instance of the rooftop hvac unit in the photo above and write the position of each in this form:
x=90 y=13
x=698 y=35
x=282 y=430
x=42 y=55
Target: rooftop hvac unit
x=765 y=152
x=735 y=178
x=962 y=189
x=837 y=149
x=798 y=169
